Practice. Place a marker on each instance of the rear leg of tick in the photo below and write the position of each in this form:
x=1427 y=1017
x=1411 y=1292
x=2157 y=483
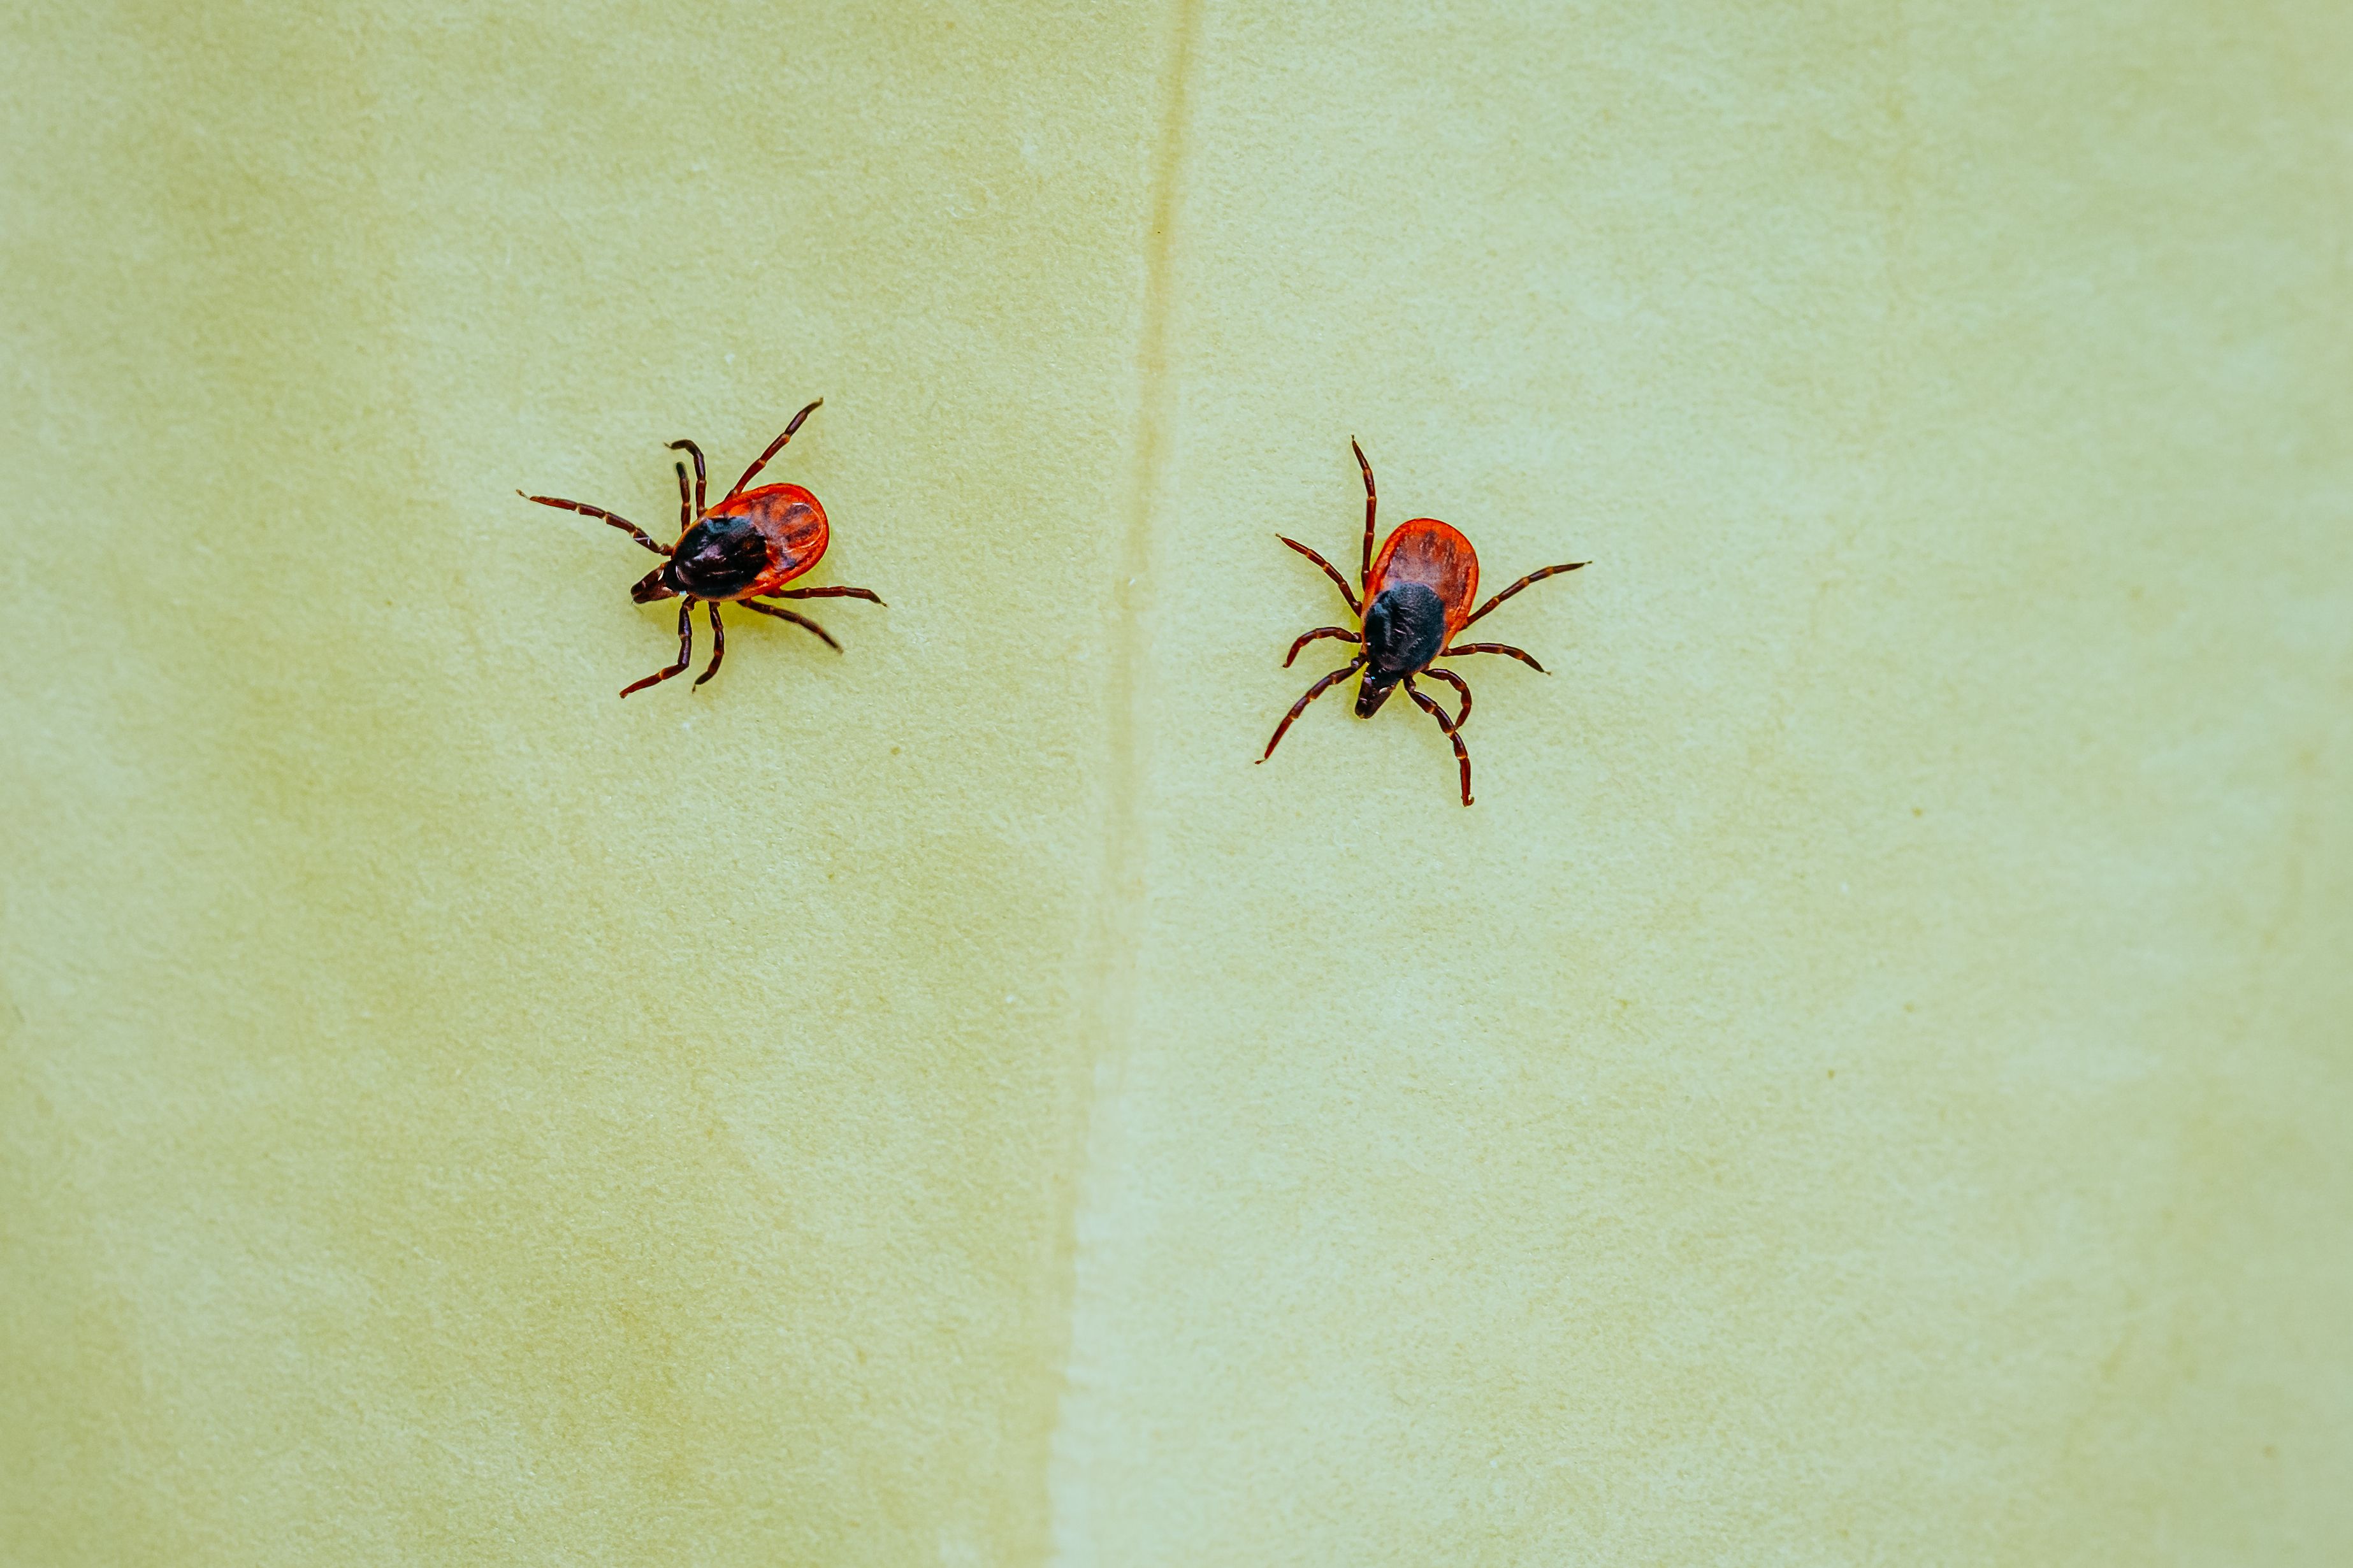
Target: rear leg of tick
x=718 y=644
x=689 y=447
x=774 y=447
x=623 y=523
x=1329 y=570
x=685 y=651
x=1341 y=633
x=1459 y=685
x=801 y=621
x=1313 y=692
x=869 y=594
x=1530 y=577
x=1453 y=733
x=1523 y=655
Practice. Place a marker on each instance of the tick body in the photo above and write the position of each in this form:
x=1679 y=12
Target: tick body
x=743 y=551
x=1418 y=594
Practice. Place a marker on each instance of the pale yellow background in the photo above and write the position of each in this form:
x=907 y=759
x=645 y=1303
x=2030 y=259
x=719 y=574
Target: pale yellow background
x=1868 y=1082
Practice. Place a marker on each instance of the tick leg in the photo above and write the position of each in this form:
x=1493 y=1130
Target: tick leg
x=869 y=594
x=697 y=452
x=1459 y=685
x=801 y=621
x=774 y=447
x=718 y=644
x=685 y=651
x=1530 y=577
x=1343 y=632
x=1329 y=570
x=1452 y=732
x=685 y=505
x=1372 y=501
x=1313 y=692
x=623 y=523
x=1521 y=653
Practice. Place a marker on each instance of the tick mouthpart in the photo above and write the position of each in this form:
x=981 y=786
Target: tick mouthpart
x=1372 y=692
x=651 y=586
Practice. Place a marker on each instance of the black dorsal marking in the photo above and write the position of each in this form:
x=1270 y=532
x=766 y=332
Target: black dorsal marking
x=720 y=556
x=1405 y=625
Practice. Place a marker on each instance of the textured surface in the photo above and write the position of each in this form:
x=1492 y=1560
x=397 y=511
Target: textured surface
x=1867 y=1083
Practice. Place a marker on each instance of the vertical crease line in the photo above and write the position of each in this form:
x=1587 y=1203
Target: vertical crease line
x=1111 y=1014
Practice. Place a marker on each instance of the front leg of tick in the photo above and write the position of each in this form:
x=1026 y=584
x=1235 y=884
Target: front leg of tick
x=685 y=651
x=718 y=645
x=1318 y=689
x=1341 y=633
x=1459 y=685
x=1453 y=733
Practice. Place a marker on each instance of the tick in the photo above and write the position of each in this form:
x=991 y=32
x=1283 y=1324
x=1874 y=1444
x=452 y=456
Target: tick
x=1417 y=600
x=739 y=552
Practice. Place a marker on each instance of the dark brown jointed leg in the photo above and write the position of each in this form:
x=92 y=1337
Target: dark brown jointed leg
x=718 y=645
x=696 y=451
x=685 y=503
x=869 y=594
x=623 y=523
x=1530 y=577
x=1365 y=574
x=1461 y=754
x=1523 y=655
x=1313 y=692
x=1329 y=570
x=801 y=621
x=1343 y=632
x=685 y=651
x=774 y=447
x=1459 y=685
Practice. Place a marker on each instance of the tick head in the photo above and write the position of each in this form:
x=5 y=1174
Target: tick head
x=654 y=585
x=1372 y=691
